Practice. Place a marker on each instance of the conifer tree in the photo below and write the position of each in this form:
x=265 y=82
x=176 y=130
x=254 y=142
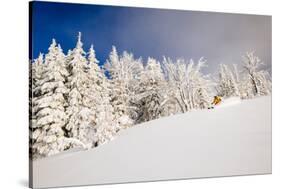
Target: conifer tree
x=150 y=92
x=79 y=125
x=48 y=135
x=98 y=100
x=227 y=84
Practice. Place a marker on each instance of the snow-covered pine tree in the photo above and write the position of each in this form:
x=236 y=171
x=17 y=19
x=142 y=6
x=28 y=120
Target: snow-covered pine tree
x=35 y=73
x=48 y=135
x=98 y=100
x=37 y=68
x=68 y=58
x=227 y=84
x=106 y=123
x=257 y=81
x=124 y=72
x=150 y=92
x=79 y=125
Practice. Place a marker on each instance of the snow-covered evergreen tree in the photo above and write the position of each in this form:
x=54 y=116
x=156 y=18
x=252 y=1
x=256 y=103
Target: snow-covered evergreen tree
x=150 y=92
x=80 y=116
x=35 y=73
x=106 y=123
x=227 y=84
x=98 y=100
x=37 y=69
x=48 y=136
x=257 y=81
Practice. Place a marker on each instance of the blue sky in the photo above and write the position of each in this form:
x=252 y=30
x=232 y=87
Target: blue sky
x=220 y=38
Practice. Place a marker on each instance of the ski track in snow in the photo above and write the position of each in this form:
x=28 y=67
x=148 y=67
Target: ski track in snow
x=232 y=140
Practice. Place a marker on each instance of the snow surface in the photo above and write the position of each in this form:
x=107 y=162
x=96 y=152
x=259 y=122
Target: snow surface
x=233 y=140
x=229 y=102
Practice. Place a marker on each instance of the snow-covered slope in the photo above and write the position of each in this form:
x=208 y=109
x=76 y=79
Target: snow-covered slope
x=229 y=102
x=231 y=140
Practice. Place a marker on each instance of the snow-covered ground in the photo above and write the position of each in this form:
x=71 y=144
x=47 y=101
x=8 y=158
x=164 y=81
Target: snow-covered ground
x=229 y=102
x=230 y=140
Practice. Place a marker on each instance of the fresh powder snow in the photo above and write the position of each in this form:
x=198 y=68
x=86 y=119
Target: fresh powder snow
x=234 y=139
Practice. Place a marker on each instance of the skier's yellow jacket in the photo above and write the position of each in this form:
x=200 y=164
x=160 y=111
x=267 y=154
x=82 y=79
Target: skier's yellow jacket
x=217 y=100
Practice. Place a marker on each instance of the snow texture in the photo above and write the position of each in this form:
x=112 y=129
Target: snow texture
x=226 y=141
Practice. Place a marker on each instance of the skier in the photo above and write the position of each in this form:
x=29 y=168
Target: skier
x=217 y=100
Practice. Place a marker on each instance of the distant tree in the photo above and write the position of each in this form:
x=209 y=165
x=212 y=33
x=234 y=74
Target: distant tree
x=201 y=85
x=257 y=81
x=150 y=92
x=227 y=85
x=191 y=87
x=124 y=73
x=98 y=100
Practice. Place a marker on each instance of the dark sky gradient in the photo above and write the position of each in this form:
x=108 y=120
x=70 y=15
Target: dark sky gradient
x=220 y=38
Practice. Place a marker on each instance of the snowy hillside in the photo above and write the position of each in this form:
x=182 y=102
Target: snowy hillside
x=226 y=141
x=77 y=103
